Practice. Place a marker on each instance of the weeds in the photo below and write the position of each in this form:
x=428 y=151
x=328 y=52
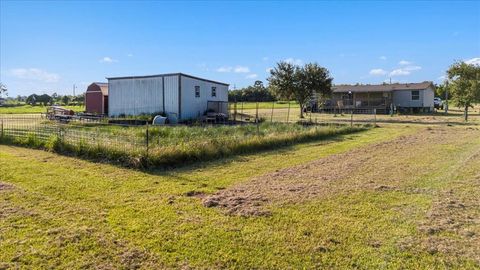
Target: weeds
x=167 y=145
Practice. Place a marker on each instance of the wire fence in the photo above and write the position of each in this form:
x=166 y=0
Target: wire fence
x=165 y=145
x=86 y=134
x=288 y=112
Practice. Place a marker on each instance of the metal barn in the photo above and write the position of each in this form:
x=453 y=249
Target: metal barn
x=176 y=94
x=96 y=98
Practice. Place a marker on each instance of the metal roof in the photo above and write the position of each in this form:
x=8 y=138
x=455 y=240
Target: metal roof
x=103 y=87
x=381 y=87
x=166 y=74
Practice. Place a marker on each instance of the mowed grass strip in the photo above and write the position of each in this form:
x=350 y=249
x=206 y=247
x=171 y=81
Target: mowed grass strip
x=25 y=109
x=67 y=213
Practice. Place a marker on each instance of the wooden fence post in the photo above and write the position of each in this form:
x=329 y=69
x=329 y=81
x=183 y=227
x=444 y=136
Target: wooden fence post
x=1 y=127
x=374 y=117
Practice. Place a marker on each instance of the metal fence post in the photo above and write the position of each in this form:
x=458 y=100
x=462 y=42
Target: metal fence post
x=235 y=112
x=256 y=111
x=273 y=107
x=288 y=111
x=1 y=128
x=241 y=113
x=374 y=117
x=147 y=135
x=97 y=137
x=351 y=118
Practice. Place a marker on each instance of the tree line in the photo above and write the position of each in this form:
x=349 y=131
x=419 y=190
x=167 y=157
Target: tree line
x=46 y=100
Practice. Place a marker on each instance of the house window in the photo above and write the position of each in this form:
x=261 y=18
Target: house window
x=214 y=91
x=197 y=91
x=415 y=95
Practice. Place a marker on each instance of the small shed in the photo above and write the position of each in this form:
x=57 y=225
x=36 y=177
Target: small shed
x=96 y=98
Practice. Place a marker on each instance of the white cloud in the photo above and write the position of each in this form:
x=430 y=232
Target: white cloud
x=473 y=61
x=240 y=69
x=404 y=63
x=224 y=69
x=412 y=68
x=294 y=61
x=383 y=57
x=251 y=76
x=399 y=72
x=107 y=59
x=404 y=71
x=268 y=70
x=237 y=69
x=130 y=55
x=441 y=78
x=264 y=58
x=378 y=72
x=34 y=74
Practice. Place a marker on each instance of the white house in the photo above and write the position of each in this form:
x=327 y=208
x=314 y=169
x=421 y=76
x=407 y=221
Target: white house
x=182 y=95
x=403 y=96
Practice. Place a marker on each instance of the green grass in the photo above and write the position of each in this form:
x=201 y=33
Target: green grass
x=24 y=109
x=62 y=212
x=167 y=145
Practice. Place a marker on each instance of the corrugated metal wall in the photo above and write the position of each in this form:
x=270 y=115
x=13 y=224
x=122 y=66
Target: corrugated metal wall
x=135 y=96
x=171 y=94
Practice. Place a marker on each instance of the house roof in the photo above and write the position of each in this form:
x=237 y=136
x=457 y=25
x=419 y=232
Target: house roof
x=381 y=87
x=166 y=74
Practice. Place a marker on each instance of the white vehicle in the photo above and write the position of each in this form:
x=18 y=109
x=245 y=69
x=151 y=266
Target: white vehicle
x=438 y=103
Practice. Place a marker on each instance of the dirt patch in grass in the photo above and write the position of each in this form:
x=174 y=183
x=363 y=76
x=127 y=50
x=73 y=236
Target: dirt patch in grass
x=453 y=222
x=375 y=167
x=5 y=186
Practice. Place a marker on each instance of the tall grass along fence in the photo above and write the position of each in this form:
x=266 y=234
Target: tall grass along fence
x=160 y=146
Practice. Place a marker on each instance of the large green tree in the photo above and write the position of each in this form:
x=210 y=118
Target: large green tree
x=465 y=85
x=290 y=81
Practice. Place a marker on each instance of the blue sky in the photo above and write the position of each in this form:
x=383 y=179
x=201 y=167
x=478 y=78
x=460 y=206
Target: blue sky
x=47 y=47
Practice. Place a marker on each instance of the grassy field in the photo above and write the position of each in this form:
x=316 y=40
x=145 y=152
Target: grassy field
x=399 y=196
x=33 y=109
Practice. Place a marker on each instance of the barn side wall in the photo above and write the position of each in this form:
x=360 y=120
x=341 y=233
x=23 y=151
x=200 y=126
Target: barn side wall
x=134 y=96
x=193 y=107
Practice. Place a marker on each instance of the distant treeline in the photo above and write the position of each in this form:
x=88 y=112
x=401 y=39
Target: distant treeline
x=257 y=92
x=45 y=99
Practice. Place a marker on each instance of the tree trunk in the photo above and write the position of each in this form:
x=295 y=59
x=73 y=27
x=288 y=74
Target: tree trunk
x=301 y=111
x=466 y=113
